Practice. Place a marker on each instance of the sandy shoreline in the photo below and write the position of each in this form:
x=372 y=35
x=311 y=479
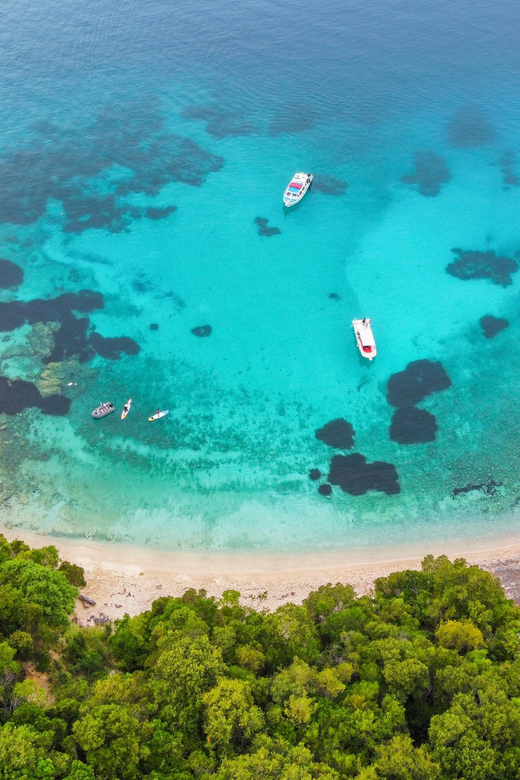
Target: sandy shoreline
x=123 y=578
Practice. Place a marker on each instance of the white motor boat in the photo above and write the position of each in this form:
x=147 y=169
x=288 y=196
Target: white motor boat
x=364 y=337
x=296 y=188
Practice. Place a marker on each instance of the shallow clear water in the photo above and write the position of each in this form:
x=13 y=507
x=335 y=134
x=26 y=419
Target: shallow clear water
x=107 y=112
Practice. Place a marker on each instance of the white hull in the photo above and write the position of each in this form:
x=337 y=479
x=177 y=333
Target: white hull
x=296 y=189
x=365 y=338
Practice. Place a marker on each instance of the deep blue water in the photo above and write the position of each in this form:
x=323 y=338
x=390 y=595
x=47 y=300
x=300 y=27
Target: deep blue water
x=139 y=142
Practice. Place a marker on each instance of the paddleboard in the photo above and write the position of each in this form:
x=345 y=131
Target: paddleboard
x=158 y=415
x=125 y=412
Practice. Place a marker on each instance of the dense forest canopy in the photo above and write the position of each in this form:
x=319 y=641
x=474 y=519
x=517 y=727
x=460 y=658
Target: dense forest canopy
x=420 y=681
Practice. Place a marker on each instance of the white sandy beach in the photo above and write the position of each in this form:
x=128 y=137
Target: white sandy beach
x=126 y=579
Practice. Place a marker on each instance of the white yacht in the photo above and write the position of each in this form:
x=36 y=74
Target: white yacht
x=364 y=337
x=296 y=188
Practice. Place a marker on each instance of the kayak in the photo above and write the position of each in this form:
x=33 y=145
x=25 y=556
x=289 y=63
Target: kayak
x=158 y=415
x=126 y=408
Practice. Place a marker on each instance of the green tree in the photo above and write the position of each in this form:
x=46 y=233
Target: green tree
x=113 y=740
x=230 y=716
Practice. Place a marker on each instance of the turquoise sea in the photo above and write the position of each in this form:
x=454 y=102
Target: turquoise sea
x=139 y=145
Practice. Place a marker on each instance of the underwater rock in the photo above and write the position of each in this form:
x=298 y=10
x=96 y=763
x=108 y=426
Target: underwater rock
x=263 y=230
x=488 y=488
x=50 y=380
x=325 y=489
x=202 y=331
x=17 y=395
x=482 y=265
x=41 y=337
x=413 y=426
x=492 y=326
x=17 y=350
x=420 y=379
x=469 y=128
x=334 y=297
x=328 y=185
x=154 y=326
x=354 y=475
x=430 y=172
x=11 y=275
x=156 y=213
x=337 y=433
x=314 y=474
x=111 y=348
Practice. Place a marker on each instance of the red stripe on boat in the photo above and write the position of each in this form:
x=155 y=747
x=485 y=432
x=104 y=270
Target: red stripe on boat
x=295 y=184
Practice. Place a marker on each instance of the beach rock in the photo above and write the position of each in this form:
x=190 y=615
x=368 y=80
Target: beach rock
x=492 y=326
x=86 y=600
x=202 y=331
x=482 y=265
x=337 y=433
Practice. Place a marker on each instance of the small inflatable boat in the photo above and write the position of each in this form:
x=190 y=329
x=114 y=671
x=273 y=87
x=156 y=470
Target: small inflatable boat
x=103 y=409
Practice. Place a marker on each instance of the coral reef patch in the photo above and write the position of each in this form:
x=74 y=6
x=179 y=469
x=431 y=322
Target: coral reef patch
x=128 y=138
x=17 y=395
x=11 y=275
x=219 y=124
x=155 y=213
x=411 y=425
x=314 y=474
x=69 y=333
x=325 y=489
x=508 y=162
x=202 y=331
x=337 y=433
x=264 y=230
x=111 y=347
x=420 y=379
x=354 y=475
x=431 y=171
x=469 y=128
x=492 y=326
x=482 y=265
